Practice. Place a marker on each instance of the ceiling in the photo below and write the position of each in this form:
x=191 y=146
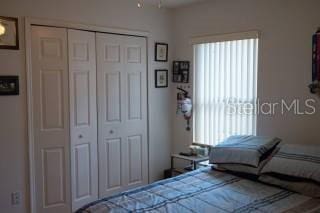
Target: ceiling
x=172 y=3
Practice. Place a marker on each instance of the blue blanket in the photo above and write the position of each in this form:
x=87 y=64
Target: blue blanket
x=204 y=190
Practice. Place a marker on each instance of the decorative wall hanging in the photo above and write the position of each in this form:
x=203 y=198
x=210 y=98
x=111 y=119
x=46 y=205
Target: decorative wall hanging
x=184 y=106
x=161 y=78
x=180 y=71
x=161 y=52
x=9 y=85
x=9 y=35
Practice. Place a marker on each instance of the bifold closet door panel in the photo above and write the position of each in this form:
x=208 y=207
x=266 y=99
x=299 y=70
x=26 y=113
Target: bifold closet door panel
x=122 y=112
x=83 y=117
x=50 y=92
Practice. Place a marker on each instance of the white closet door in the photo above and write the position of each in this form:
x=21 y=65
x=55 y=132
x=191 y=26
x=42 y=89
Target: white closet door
x=51 y=119
x=122 y=112
x=83 y=117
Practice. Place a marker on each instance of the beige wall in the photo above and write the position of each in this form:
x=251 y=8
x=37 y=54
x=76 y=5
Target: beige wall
x=284 y=56
x=13 y=115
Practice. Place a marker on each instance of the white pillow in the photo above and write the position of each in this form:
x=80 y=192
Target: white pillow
x=246 y=149
x=297 y=161
x=248 y=169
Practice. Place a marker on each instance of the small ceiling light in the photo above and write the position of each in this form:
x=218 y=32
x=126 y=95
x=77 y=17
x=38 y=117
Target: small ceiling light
x=2 y=29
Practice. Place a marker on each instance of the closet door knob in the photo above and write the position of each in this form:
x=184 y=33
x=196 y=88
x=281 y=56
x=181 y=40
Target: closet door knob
x=111 y=131
x=80 y=136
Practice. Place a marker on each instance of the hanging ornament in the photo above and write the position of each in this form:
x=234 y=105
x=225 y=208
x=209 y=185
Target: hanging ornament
x=184 y=106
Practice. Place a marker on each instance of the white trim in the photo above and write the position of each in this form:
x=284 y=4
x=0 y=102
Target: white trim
x=30 y=115
x=29 y=21
x=88 y=27
x=224 y=37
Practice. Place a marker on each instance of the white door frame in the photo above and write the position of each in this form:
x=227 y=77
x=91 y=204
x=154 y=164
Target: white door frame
x=29 y=21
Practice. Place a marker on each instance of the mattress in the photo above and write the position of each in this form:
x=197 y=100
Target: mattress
x=205 y=190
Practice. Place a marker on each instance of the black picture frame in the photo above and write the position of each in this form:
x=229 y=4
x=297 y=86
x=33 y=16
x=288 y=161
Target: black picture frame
x=9 y=85
x=15 y=20
x=158 y=57
x=157 y=77
x=181 y=72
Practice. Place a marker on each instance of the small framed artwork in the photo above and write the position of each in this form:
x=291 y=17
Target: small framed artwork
x=9 y=35
x=161 y=52
x=9 y=85
x=161 y=78
x=180 y=71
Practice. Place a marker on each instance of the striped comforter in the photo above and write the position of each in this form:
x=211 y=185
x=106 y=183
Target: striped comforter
x=205 y=190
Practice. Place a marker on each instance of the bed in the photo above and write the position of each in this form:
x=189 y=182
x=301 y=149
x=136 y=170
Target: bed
x=205 y=190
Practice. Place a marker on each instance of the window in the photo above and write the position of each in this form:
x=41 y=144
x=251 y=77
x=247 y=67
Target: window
x=225 y=86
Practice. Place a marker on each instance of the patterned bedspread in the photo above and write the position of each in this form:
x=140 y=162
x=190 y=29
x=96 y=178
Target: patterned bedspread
x=205 y=190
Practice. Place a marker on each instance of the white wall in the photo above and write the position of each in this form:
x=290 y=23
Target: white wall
x=13 y=115
x=284 y=56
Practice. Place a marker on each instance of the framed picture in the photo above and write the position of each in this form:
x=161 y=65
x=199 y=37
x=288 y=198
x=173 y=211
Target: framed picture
x=9 y=35
x=161 y=52
x=161 y=78
x=180 y=71
x=9 y=85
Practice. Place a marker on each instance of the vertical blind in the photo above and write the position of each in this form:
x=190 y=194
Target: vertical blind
x=225 y=89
